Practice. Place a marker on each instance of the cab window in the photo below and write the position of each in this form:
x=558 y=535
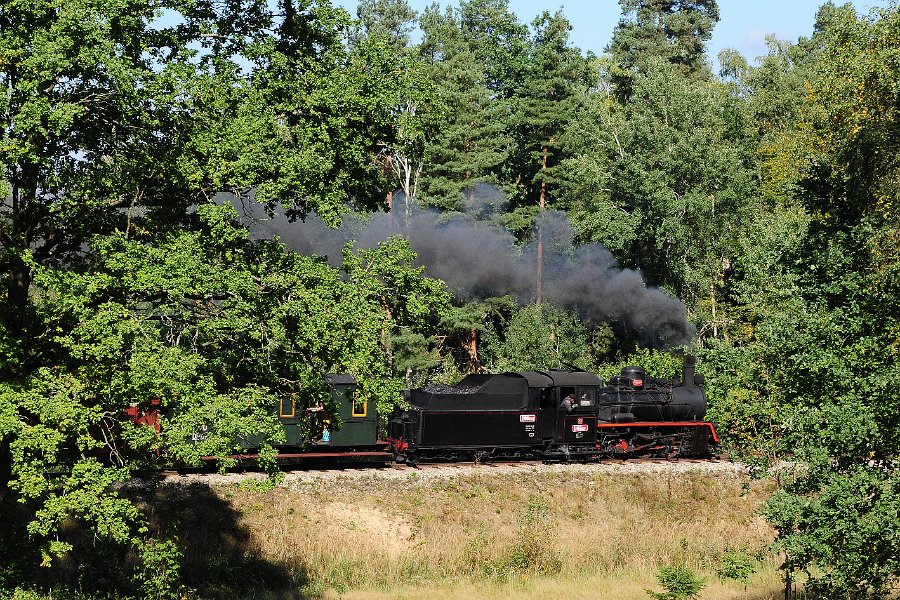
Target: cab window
x=586 y=396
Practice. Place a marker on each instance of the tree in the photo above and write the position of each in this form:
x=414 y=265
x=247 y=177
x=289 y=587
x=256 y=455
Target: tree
x=114 y=124
x=413 y=305
x=833 y=349
x=551 y=89
x=390 y=19
x=674 y=32
x=283 y=113
x=122 y=282
x=85 y=136
x=473 y=141
x=537 y=338
x=668 y=182
x=419 y=110
x=410 y=95
x=500 y=42
x=213 y=326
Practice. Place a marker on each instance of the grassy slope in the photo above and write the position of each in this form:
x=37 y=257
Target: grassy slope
x=550 y=535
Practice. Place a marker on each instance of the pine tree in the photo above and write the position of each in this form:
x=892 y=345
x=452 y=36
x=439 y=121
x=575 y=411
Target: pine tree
x=551 y=90
x=499 y=40
x=675 y=31
x=473 y=141
x=393 y=20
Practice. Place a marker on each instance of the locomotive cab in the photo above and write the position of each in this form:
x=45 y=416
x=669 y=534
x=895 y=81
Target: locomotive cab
x=559 y=425
x=578 y=425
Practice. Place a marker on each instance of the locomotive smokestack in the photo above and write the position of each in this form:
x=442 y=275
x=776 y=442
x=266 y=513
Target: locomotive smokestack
x=688 y=377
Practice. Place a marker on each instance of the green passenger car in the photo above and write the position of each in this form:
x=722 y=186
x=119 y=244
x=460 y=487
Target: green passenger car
x=358 y=418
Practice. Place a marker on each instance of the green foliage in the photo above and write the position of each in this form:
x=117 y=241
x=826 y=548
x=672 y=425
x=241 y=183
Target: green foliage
x=679 y=582
x=766 y=201
x=674 y=32
x=744 y=403
x=471 y=145
x=656 y=363
x=160 y=565
x=667 y=183
x=543 y=105
x=216 y=328
x=390 y=19
x=830 y=349
x=529 y=553
x=283 y=113
x=409 y=305
x=500 y=41
x=736 y=564
x=538 y=337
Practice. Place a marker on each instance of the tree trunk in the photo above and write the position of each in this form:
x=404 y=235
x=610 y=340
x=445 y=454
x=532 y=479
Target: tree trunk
x=20 y=276
x=543 y=198
x=389 y=198
x=540 y=267
x=474 y=365
x=542 y=202
x=5 y=471
x=17 y=296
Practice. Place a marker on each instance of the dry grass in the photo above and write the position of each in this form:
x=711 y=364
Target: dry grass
x=622 y=585
x=555 y=535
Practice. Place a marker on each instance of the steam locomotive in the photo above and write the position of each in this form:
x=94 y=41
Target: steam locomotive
x=555 y=415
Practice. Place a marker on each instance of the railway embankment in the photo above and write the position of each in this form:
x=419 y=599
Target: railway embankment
x=506 y=530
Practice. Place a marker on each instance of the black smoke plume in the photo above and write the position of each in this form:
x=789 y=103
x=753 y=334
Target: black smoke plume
x=479 y=259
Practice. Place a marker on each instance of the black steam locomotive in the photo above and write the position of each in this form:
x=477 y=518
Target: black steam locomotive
x=555 y=415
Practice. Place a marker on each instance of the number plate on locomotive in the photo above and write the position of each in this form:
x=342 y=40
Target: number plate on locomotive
x=577 y=428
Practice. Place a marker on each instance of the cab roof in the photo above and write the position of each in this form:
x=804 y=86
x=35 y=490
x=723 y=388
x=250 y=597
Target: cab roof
x=558 y=377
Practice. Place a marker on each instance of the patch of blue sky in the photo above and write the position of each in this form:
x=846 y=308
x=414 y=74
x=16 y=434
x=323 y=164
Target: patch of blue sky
x=743 y=24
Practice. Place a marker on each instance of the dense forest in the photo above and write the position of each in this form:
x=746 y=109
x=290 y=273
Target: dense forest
x=213 y=204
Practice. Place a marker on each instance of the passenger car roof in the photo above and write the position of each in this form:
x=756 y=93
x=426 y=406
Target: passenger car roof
x=340 y=379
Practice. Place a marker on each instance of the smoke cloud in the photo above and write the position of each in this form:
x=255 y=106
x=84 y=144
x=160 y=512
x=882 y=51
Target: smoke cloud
x=478 y=258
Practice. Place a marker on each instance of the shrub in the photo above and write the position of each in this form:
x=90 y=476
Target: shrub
x=679 y=582
x=737 y=565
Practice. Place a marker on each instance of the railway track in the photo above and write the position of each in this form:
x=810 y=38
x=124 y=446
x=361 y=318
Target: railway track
x=437 y=471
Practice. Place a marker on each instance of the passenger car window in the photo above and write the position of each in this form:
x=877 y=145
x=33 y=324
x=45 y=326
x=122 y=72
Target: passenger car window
x=287 y=409
x=360 y=406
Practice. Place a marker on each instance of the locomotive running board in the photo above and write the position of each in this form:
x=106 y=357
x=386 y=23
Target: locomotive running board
x=658 y=424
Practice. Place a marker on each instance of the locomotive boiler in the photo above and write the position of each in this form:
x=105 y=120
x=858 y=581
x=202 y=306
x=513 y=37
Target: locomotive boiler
x=647 y=416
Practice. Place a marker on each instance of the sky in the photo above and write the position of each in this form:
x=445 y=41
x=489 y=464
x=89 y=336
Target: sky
x=743 y=24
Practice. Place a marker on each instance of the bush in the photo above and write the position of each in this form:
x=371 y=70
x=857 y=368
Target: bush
x=679 y=582
x=530 y=552
x=737 y=565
